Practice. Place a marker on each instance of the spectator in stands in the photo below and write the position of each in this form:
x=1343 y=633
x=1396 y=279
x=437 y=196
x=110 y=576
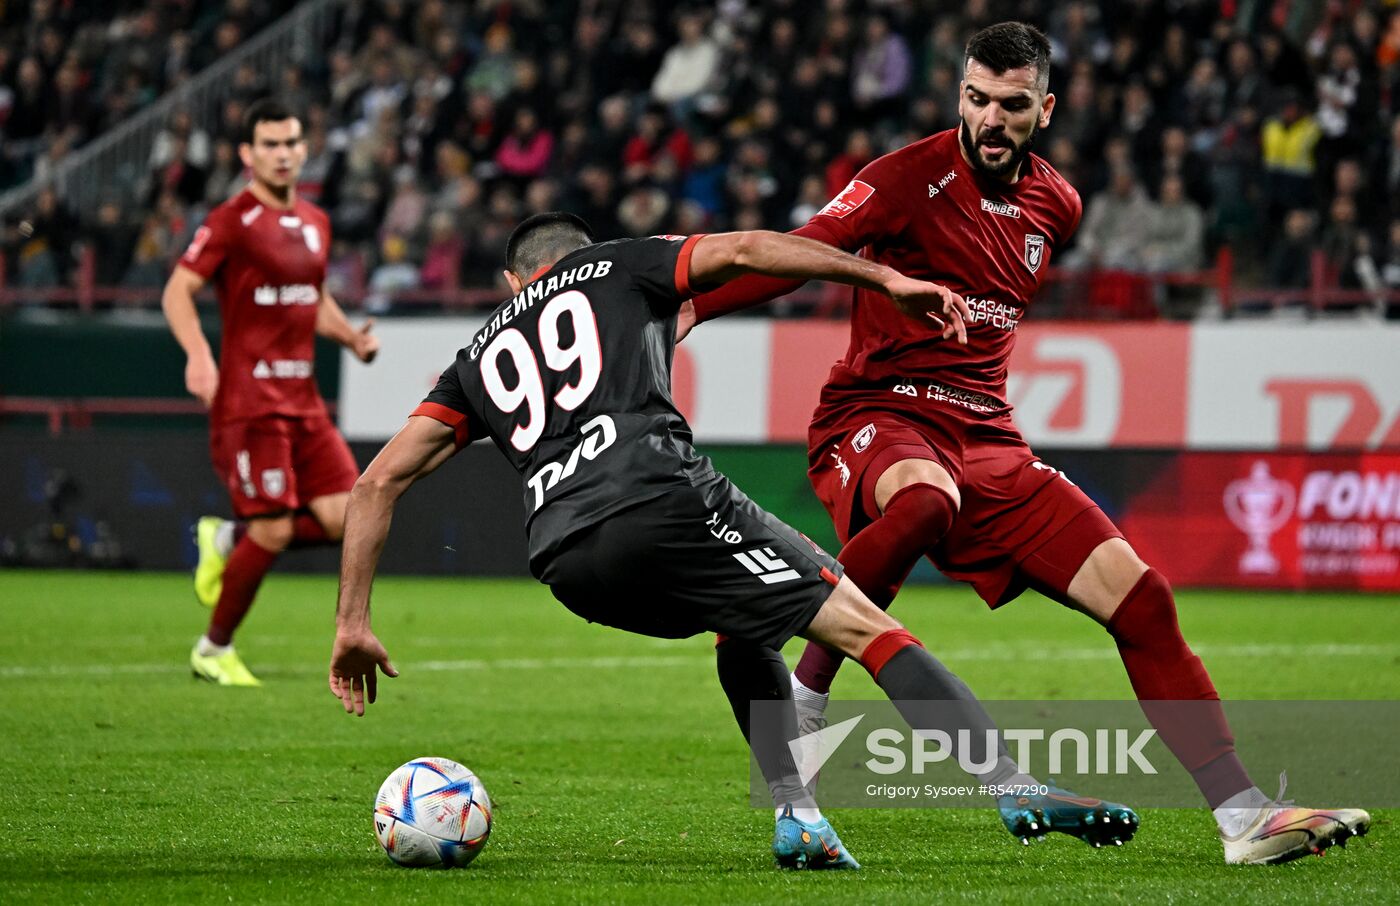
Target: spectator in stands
x=494 y=72
x=1246 y=86
x=1390 y=270
x=1338 y=90
x=394 y=273
x=844 y=167
x=880 y=71
x=1392 y=165
x=1115 y=230
x=1175 y=232
x=704 y=183
x=655 y=138
x=385 y=93
x=181 y=126
x=688 y=67
x=407 y=212
x=179 y=175
x=1290 y=264
x=643 y=211
x=1343 y=243
x=1289 y=142
x=1175 y=157
x=786 y=77
x=443 y=255
x=113 y=241
x=526 y=150
x=32 y=100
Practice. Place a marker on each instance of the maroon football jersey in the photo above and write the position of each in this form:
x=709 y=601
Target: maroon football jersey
x=924 y=211
x=268 y=265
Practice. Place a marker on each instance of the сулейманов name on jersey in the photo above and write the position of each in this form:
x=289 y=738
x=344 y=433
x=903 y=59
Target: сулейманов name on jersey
x=526 y=299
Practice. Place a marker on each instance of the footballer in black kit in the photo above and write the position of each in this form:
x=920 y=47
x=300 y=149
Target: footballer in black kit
x=628 y=524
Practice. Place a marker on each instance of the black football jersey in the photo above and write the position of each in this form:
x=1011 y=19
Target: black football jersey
x=572 y=380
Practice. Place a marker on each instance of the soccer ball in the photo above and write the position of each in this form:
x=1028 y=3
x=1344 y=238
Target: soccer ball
x=432 y=812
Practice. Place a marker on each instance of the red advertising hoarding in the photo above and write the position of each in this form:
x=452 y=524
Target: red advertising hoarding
x=1275 y=520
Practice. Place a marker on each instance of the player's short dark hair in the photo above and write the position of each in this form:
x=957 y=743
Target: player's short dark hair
x=267 y=110
x=543 y=239
x=1011 y=45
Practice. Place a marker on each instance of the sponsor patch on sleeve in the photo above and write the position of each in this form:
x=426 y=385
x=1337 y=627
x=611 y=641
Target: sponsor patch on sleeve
x=201 y=237
x=853 y=196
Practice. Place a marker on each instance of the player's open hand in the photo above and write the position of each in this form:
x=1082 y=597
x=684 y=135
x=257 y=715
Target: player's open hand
x=366 y=345
x=921 y=299
x=202 y=378
x=354 y=659
x=685 y=319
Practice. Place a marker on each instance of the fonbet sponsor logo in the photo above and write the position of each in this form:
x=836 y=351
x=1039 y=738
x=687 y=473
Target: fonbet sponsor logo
x=852 y=197
x=894 y=751
x=1002 y=209
x=598 y=434
x=1348 y=522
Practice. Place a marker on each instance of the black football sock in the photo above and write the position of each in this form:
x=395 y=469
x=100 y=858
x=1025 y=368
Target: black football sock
x=753 y=673
x=929 y=696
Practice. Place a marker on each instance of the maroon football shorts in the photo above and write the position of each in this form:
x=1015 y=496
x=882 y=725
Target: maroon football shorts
x=274 y=464
x=1022 y=523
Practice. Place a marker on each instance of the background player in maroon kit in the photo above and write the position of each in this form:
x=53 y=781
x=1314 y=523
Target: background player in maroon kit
x=287 y=469
x=913 y=450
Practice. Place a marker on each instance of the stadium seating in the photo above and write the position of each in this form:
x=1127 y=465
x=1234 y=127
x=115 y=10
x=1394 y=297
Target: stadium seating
x=1268 y=130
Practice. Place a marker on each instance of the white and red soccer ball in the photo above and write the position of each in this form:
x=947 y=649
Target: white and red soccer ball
x=432 y=812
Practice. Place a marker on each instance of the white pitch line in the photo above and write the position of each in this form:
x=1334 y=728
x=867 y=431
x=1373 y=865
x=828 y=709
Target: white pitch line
x=988 y=653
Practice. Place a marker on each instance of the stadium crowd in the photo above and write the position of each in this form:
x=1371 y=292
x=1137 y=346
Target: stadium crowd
x=1268 y=126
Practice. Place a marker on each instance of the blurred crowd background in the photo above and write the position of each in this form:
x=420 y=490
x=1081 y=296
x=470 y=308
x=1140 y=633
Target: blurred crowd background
x=1268 y=128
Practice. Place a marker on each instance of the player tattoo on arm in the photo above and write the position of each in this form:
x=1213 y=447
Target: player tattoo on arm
x=420 y=447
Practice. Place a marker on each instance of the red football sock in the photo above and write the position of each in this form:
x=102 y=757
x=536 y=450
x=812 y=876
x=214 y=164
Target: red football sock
x=878 y=560
x=307 y=531
x=1174 y=689
x=246 y=567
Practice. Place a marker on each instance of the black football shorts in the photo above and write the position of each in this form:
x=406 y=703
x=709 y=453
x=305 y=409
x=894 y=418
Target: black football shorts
x=694 y=559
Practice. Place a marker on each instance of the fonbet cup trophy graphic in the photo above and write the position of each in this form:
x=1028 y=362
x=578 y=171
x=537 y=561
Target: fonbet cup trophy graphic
x=1259 y=506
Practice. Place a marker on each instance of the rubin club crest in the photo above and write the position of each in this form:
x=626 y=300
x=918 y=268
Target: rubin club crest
x=1035 y=251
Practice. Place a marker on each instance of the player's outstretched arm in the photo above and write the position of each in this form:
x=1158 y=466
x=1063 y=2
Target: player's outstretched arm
x=725 y=256
x=177 y=302
x=420 y=447
x=332 y=324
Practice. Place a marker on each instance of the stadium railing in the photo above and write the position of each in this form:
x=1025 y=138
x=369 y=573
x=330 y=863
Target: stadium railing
x=118 y=158
x=1091 y=294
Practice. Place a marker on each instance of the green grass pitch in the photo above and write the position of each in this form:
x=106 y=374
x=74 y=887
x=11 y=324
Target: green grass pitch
x=616 y=770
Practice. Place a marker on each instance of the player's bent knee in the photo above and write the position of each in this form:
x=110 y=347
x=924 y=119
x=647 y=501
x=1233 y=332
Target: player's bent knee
x=849 y=621
x=1147 y=613
x=273 y=533
x=1107 y=579
x=909 y=472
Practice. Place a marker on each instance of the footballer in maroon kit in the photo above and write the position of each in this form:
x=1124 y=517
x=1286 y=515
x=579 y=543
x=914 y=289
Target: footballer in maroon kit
x=913 y=450
x=286 y=467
